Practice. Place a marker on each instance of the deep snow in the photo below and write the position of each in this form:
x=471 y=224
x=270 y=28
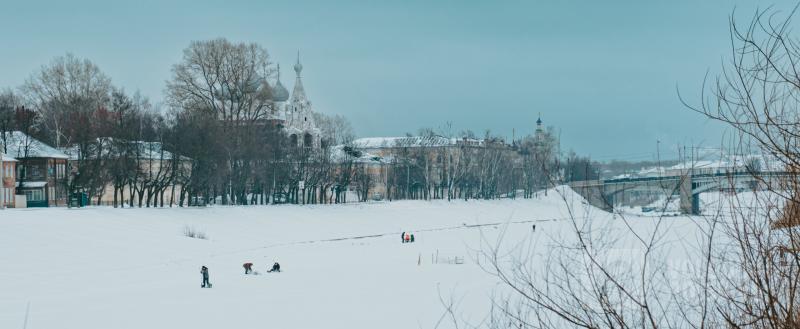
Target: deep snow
x=343 y=265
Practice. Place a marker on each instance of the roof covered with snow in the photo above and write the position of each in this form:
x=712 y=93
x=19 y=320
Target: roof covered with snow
x=20 y=145
x=342 y=153
x=152 y=150
x=6 y=158
x=412 y=141
x=31 y=184
x=141 y=150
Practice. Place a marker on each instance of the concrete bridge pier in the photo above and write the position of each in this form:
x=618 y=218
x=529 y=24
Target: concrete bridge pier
x=689 y=202
x=595 y=193
x=608 y=201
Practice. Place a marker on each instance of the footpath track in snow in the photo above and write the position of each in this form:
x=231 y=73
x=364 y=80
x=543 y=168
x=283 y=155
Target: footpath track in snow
x=378 y=235
x=179 y=261
x=448 y=228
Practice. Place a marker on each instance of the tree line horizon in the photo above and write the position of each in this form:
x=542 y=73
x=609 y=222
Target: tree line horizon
x=219 y=121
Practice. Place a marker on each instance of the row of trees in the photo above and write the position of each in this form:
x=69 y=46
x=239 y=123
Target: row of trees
x=217 y=139
x=441 y=166
x=116 y=143
x=213 y=139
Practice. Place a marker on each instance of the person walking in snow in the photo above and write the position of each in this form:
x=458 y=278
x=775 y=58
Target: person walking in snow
x=407 y=238
x=403 y=237
x=204 y=271
x=412 y=238
x=248 y=268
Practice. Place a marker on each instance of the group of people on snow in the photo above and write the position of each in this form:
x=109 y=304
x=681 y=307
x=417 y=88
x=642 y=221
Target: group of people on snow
x=248 y=269
x=405 y=237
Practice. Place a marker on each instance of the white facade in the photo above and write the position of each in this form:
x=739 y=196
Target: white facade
x=296 y=111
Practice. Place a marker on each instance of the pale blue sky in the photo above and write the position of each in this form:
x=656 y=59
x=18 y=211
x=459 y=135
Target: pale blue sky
x=605 y=73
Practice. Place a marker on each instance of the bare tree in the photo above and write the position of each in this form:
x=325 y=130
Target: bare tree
x=228 y=82
x=756 y=95
x=743 y=271
x=336 y=129
x=364 y=181
x=9 y=101
x=66 y=88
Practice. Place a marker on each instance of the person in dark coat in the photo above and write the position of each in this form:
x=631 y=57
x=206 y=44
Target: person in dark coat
x=403 y=237
x=275 y=267
x=412 y=238
x=248 y=268
x=204 y=271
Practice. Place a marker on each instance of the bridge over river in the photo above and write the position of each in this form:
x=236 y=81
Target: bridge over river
x=605 y=194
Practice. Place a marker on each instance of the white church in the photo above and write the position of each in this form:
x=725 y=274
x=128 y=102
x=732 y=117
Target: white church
x=295 y=111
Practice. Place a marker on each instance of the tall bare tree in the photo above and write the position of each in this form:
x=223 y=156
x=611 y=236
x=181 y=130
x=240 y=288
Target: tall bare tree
x=64 y=90
x=227 y=81
x=9 y=101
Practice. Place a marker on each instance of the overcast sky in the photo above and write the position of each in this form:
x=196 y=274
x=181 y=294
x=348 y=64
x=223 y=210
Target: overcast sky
x=603 y=73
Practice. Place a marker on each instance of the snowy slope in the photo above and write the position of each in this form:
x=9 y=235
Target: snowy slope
x=344 y=265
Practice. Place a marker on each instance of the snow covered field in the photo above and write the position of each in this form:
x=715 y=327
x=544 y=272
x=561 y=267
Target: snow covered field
x=343 y=265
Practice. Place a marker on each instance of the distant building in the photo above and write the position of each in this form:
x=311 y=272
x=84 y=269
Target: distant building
x=539 y=138
x=292 y=113
x=388 y=146
x=382 y=154
x=295 y=114
x=153 y=165
x=7 y=183
x=41 y=169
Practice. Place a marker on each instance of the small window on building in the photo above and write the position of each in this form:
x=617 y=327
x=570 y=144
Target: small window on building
x=34 y=195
